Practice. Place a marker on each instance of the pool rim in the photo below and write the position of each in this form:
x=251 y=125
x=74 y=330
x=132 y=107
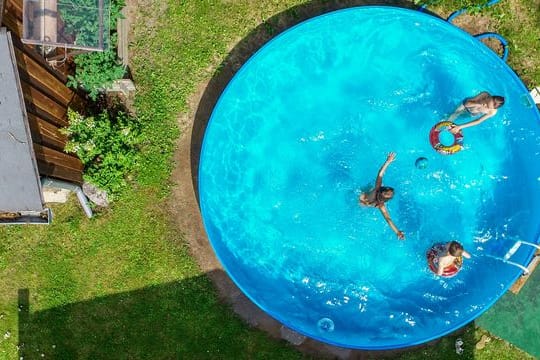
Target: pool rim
x=451 y=28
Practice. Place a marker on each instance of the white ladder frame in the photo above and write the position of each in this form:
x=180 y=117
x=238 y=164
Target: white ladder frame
x=513 y=250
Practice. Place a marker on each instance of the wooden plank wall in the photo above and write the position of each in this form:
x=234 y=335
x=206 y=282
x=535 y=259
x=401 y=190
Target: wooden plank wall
x=47 y=99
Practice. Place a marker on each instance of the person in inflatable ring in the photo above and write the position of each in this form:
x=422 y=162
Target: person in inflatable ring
x=454 y=252
x=482 y=104
x=379 y=195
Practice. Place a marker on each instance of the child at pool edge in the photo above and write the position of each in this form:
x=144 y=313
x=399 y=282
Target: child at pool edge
x=379 y=195
x=482 y=104
x=454 y=252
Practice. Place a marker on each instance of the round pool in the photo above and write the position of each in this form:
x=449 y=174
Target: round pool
x=301 y=131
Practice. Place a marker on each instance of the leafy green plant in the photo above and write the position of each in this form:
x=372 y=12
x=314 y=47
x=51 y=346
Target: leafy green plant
x=96 y=71
x=107 y=144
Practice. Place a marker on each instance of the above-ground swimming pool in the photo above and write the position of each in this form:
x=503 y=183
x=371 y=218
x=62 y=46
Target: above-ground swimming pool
x=304 y=127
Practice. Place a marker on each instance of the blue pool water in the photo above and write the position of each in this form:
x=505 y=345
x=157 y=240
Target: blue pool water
x=305 y=125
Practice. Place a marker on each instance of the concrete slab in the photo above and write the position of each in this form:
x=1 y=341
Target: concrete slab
x=55 y=195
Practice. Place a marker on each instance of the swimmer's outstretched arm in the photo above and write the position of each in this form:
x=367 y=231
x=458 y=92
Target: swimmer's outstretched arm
x=458 y=128
x=386 y=216
x=378 y=183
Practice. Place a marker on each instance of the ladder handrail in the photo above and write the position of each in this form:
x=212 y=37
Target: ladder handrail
x=516 y=246
x=514 y=249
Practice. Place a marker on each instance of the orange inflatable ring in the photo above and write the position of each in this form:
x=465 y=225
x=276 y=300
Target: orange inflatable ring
x=433 y=255
x=434 y=139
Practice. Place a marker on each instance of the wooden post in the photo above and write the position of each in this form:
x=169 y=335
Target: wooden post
x=123 y=32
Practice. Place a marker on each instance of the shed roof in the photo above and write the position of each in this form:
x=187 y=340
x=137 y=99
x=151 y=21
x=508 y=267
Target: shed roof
x=20 y=188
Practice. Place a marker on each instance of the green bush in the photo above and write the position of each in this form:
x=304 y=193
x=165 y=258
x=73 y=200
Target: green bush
x=107 y=144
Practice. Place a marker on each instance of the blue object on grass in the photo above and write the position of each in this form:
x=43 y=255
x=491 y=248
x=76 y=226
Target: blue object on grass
x=501 y=39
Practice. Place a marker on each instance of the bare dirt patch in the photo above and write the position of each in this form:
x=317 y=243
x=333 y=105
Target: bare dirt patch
x=474 y=24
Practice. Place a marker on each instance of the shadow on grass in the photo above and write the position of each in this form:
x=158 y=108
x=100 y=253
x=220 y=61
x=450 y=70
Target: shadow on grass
x=175 y=320
x=248 y=46
x=182 y=319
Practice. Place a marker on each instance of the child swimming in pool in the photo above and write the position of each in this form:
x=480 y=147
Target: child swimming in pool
x=379 y=195
x=482 y=104
x=451 y=257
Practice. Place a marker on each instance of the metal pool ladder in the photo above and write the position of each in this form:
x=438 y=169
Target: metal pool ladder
x=527 y=270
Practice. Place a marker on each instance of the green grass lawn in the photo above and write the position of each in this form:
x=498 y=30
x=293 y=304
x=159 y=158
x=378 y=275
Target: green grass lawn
x=123 y=285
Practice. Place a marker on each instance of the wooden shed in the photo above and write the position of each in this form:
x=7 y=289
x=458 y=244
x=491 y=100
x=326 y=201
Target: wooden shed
x=45 y=100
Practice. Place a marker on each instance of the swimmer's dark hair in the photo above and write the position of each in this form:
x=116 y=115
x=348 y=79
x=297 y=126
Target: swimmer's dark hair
x=382 y=189
x=498 y=101
x=455 y=248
